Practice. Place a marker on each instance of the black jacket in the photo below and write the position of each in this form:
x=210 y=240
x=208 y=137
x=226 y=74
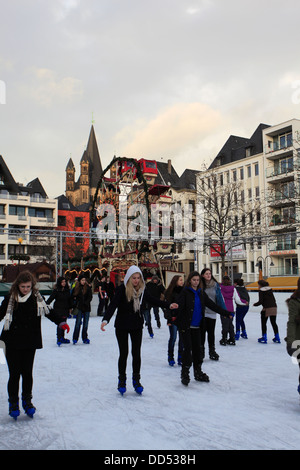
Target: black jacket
x=126 y=318
x=25 y=328
x=266 y=298
x=186 y=303
x=62 y=302
x=168 y=313
x=82 y=301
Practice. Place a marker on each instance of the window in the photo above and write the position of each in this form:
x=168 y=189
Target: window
x=241 y=173
x=249 y=171
x=257 y=192
x=16 y=249
x=62 y=220
x=258 y=217
x=285 y=140
x=40 y=212
x=17 y=210
x=250 y=194
x=256 y=169
x=78 y=222
x=234 y=175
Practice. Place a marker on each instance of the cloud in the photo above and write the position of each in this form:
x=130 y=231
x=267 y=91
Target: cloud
x=46 y=88
x=64 y=8
x=175 y=128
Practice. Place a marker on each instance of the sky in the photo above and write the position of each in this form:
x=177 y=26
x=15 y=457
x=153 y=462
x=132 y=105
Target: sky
x=166 y=79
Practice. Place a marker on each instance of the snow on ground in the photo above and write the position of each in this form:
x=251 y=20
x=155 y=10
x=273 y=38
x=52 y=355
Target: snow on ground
x=251 y=401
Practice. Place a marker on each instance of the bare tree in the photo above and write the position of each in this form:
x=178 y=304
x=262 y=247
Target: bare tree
x=230 y=215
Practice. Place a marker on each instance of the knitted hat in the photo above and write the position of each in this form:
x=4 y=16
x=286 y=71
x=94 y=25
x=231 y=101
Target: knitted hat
x=132 y=270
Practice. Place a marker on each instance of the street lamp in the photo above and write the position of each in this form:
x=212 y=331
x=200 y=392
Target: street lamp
x=261 y=265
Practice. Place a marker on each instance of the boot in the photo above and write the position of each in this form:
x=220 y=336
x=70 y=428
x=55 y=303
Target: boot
x=179 y=360
x=171 y=357
x=185 y=375
x=276 y=339
x=244 y=334
x=28 y=407
x=171 y=361
x=213 y=355
x=263 y=339
x=223 y=341
x=13 y=409
x=200 y=376
x=122 y=384
x=231 y=341
x=137 y=384
x=237 y=336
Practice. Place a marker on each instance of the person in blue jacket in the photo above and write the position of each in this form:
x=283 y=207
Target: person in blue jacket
x=213 y=291
x=189 y=319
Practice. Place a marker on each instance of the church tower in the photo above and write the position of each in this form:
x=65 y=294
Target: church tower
x=82 y=191
x=84 y=179
x=70 y=180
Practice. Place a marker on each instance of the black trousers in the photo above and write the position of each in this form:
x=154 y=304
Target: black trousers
x=209 y=328
x=192 y=351
x=264 y=320
x=136 y=343
x=20 y=364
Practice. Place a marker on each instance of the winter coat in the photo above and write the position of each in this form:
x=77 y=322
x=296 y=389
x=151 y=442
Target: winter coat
x=155 y=290
x=168 y=313
x=126 y=318
x=62 y=302
x=25 y=329
x=243 y=293
x=215 y=294
x=293 y=323
x=186 y=304
x=230 y=296
x=267 y=300
x=82 y=301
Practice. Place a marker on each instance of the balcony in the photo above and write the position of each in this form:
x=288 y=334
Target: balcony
x=280 y=222
x=284 y=271
x=280 y=173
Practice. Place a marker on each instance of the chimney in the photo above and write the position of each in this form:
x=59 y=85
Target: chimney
x=169 y=167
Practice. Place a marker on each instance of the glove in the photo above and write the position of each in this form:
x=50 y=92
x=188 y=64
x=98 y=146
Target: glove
x=64 y=326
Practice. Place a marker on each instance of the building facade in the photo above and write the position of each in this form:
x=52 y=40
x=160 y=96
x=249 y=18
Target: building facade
x=76 y=221
x=266 y=169
x=25 y=213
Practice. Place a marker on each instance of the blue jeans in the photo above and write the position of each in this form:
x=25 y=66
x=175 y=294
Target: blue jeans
x=171 y=344
x=239 y=318
x=85 y=322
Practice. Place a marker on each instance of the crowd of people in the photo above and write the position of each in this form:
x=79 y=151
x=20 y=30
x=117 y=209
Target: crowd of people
x=190 y=308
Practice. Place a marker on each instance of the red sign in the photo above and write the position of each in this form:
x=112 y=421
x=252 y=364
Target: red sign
x=215 y=250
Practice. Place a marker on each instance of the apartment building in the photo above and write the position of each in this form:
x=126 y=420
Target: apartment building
x=281 y=150
x=25 y=213
x=266 y=168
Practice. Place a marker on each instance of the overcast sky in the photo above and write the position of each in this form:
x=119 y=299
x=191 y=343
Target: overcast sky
x=161 y=79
